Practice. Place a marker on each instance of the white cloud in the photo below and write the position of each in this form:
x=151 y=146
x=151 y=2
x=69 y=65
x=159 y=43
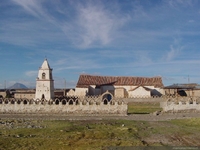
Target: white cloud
x=31 y=6
x=184 y=3
x=175 y=50
x=94 y=25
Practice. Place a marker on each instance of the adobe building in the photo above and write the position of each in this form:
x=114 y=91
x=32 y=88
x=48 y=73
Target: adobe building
x=190 y=90
x=24 y=93
x=3 y=93
x=125 y=87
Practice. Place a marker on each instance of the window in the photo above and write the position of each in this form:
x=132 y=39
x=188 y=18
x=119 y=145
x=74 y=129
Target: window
x=43 y=76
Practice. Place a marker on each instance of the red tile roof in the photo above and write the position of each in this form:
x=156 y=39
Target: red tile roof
x=86 y=80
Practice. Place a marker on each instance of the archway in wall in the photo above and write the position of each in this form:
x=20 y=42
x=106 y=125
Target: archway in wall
x=25 y=101
x=64 y=102
x=107 y=97
x=182 y=93
x=18 y=102
x=71 y=102
x=12 y=101
x=43 y=97
x=57 y=102
x=105 y=101
x=6 y=101
x=43 y=75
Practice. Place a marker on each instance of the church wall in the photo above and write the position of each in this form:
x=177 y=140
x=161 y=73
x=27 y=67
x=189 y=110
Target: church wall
x=133 y=91
x=81 y=91
x=139 y=92
x=46 y=88
x=79 y=109
x=71 y=92
x=129 y=91
x=120 y=92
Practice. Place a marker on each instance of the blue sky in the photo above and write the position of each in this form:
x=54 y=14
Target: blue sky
x=116 y=38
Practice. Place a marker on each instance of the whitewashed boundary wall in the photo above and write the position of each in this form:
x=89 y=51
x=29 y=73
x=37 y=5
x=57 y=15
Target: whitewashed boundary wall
x=94 y=105
x=186 y=104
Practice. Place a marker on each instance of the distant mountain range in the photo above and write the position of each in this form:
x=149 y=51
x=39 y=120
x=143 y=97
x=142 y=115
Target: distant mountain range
x=18 y=86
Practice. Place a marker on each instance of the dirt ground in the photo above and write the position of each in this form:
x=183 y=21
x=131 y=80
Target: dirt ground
x=141 y=117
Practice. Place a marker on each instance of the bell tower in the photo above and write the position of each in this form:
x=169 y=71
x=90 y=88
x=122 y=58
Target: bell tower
x=45 y=82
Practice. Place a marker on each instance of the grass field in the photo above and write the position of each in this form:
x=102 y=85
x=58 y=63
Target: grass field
x=143 y=107
x=22 y=134
x=51 y=135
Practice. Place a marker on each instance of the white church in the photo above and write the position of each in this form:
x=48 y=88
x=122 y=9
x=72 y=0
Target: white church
x=127 y=87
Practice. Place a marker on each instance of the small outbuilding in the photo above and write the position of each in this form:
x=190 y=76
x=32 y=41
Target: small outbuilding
x=191 y=89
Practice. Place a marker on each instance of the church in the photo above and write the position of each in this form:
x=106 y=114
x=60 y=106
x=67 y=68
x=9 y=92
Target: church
x=44 y=85
x=124 y=87
x=120 y=86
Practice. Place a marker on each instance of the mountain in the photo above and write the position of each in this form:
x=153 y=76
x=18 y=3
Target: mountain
x=18 y=86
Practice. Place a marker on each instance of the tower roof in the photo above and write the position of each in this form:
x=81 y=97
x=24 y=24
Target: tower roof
x=45 y=65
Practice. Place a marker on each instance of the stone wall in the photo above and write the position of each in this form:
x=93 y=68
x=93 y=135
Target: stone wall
x=97 y=105
x=181 y=105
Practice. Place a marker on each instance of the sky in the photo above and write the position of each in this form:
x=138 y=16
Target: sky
x=143 y=38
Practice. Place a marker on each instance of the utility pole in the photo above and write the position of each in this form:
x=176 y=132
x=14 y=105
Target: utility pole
x=65 y=87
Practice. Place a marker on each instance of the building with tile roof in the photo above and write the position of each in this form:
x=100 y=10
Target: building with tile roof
x=120 y=86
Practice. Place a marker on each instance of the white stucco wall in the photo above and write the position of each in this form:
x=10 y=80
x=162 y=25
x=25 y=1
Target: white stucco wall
x=129 y=91
x=139 y=92
x=172 y=106
x=80 y=109
x=81 y=91
x=71 y=93
x=46 y=88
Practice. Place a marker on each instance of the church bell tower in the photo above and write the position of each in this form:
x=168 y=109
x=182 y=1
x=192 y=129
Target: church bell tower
x=45 y=82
